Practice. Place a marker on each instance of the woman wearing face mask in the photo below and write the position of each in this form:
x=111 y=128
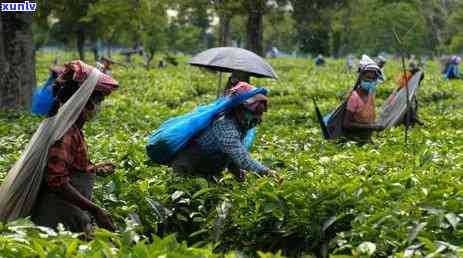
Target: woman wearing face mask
x=221 y=145
x=359 y=120
x=65 y=195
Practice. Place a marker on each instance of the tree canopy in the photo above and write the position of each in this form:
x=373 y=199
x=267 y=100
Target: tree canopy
x=330 y=27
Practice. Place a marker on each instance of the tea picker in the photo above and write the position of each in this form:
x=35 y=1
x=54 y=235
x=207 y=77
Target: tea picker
x=218 y=135
x=354 y=119
x=241 y=63
x=394 y=111
x=211 y=138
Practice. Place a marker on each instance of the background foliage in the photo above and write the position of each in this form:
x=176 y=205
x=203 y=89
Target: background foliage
x=330 y=27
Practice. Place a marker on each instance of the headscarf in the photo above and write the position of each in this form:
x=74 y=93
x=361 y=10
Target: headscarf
x=412 y=66
x=258 y=102
x=381 y=60
x=56 y=70
x=108 y=60
x=63 y=91
x=367 y=64
x=455 y=60
x=105 y=84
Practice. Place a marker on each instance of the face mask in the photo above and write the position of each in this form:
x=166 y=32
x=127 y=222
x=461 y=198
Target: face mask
x=249 y=120
x=368 y=86
x=93 y=112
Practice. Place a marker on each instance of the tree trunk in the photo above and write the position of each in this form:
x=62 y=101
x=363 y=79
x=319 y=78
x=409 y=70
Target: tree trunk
x=345 y=45
x=224 y=32
x=435 y=16
x=96 y=52
x=108 y=47
x=255 y=26
x=17 y=65
x=81 y=42
x=148 y=58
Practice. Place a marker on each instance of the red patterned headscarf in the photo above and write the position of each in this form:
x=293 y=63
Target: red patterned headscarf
x=105 y=84
x=258 y=102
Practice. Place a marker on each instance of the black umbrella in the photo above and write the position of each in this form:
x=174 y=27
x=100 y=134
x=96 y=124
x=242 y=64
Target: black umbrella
x=230 y=59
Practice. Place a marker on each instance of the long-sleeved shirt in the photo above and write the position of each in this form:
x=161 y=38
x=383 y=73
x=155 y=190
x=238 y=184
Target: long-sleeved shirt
x=68 y=155
x=224 y=136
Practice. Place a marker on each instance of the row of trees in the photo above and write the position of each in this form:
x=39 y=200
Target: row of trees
x=330 y=27
x=168 y=25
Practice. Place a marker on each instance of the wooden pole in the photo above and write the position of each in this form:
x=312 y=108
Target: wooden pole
x=402 y=52
x=407 y=114
x=219 y=87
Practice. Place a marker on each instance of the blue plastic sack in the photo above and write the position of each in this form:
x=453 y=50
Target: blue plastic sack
x=327 y=118
x=174 y=134
x=453 y=71
x=42 y=100
x=249 y=138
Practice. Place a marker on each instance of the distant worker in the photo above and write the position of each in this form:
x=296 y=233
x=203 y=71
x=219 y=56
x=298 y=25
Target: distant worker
x=403 y=80
x=350 y=64
x=161 y=64
x=422 y=62
x=274 y=52
x=320 y=61
x=452 y=68
x=171 y=59
x=381 y=62
x=412 y=70
x=104 y=65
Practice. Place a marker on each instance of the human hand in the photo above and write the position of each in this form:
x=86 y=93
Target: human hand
x=378 y=127
x=103 y=219
x=240 y=175
x=104 y=168
x=275 y=175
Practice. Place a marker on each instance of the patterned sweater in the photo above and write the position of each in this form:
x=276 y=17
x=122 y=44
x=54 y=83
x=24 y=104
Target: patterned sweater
x=225 y=136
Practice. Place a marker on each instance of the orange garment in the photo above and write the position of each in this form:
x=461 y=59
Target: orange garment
x=402 y=81
x=404 y=78
x=363 y=109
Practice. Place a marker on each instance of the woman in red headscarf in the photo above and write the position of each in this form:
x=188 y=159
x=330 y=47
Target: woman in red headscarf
x=221 y=145
x=65 y=196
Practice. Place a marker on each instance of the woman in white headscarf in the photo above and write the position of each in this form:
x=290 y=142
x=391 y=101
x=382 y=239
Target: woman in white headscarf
x=359 y=120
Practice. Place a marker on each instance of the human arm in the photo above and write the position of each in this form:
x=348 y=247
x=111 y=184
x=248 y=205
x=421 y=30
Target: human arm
x=349 y=122
x=68 y=193
x=58 y=181
x=240 y=174
x=229 y=142
x=103 y=169
x=355 y=105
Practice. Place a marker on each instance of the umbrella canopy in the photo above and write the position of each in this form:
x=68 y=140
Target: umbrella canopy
x=229 y=59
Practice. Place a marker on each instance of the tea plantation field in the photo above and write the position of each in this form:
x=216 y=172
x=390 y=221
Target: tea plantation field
x=386 y=199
